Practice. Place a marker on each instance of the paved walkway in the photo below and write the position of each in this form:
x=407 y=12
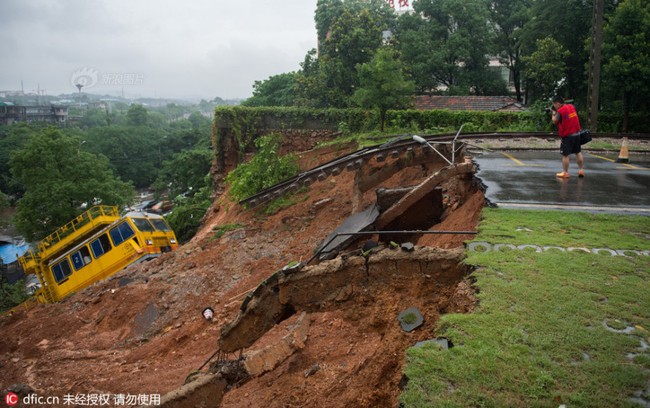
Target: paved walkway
x=527 y=179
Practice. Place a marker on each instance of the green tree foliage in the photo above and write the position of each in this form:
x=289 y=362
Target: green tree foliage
x=445 y=45
x=188 y=212
x=349 y=33
x=137 y=154
x=509 y=18
x=59 y=179
x=134 y=153
x=12 y=138
x=94 y=117
x=173 y=111
x=11 y=294
x=278 y=90
x=568 y=22
x=198 y=121
x=626 y=55
x=264 y=170
x=4 y=200
x=137 y=115
x=185 y=172
x=546 y=68
x=382 y=84
x=446 y=42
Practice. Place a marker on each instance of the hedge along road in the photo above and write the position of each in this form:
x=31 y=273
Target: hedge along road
x=526 y=179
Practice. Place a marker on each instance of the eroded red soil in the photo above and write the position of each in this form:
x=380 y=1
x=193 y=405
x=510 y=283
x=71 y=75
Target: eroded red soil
x=141 y=331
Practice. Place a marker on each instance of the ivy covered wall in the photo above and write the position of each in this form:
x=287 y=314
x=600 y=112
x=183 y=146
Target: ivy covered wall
x=235 y=129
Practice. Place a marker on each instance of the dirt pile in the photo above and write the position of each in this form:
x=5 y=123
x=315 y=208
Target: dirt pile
x=142 y=332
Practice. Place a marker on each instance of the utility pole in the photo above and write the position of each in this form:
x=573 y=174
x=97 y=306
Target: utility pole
x=593 y=86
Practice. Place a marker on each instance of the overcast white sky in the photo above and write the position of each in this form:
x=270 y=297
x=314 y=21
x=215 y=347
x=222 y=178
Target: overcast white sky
x=163 y=48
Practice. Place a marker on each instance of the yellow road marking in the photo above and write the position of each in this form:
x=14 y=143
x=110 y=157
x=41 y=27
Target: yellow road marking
x=628 y=166
x=527 y=165
x=514 y=159
x=602 y=157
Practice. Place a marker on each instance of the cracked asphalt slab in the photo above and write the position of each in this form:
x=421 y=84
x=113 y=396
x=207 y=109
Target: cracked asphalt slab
x=526 y=179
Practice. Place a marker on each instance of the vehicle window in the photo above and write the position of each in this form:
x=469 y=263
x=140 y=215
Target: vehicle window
x=100 y=246
x=160 y=224
x=121 y=233
x=143 y=224
x=61 y=271
x=81 y=258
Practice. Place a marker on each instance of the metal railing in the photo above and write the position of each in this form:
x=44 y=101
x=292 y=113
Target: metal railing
x=86 y=218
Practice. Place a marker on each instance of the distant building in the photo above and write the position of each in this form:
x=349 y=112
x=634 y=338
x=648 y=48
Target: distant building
x=472 y=103
x=10 y=251
x=6 y=94
x=10 y=113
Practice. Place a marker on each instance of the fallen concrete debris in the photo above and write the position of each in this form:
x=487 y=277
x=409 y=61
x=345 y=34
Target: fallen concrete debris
x=204 y=387
x=410 y=319
x=332 y=284
x=261 y=361
x=418 y=193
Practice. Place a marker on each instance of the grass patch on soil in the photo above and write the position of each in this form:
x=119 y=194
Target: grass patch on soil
x=220 y=230
x=286 y=201
x=539 y=336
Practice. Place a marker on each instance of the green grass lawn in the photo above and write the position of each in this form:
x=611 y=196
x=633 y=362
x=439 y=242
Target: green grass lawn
x=539 y=336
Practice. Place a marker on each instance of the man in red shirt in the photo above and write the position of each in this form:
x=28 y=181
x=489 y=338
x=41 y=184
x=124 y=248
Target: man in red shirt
x=568 y=128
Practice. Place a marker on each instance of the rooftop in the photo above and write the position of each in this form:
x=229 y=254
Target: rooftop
x=480 y=103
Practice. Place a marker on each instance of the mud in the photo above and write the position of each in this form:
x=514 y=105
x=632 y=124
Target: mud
x=145 y=334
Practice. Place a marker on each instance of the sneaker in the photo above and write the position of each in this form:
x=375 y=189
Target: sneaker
x=562 y=174
x=581 y=173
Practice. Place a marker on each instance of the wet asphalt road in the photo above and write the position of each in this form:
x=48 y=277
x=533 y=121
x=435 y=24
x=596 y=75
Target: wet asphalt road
x=527 y=180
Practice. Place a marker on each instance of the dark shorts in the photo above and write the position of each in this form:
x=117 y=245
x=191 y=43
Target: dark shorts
x=570 y=145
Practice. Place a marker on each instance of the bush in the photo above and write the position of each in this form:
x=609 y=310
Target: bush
x=266 y=169
x=188 y=212
x=11 y=295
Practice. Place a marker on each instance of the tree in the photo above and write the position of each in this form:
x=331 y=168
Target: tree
x=349 y=33
x=205 y=106
x=626 y=52
x=568 y=22
x=60 y=179
x=509 y=17
x=137 y=115
x=4 y=200
x=545 y=68
x=383 y=85
x=185 y=220
x=12 y=138
x=277 y=90
x=185 y=172
x=445 y=43
x=199 y=121
x=173 y=111
x=264 y=170
x=135 y=153
x=11 y=294
x=94 y=117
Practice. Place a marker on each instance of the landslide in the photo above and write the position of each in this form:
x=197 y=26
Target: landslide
x=142 y=332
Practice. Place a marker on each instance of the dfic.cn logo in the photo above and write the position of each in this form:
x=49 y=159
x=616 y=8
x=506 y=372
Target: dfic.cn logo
x=11 y=399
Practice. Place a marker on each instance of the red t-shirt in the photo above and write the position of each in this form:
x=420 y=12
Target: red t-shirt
x=569 y=122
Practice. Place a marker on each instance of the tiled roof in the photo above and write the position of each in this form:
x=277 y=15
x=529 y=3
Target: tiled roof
x=481 y=103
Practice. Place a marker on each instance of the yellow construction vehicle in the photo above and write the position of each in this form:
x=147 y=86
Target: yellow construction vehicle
x=92 y=247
